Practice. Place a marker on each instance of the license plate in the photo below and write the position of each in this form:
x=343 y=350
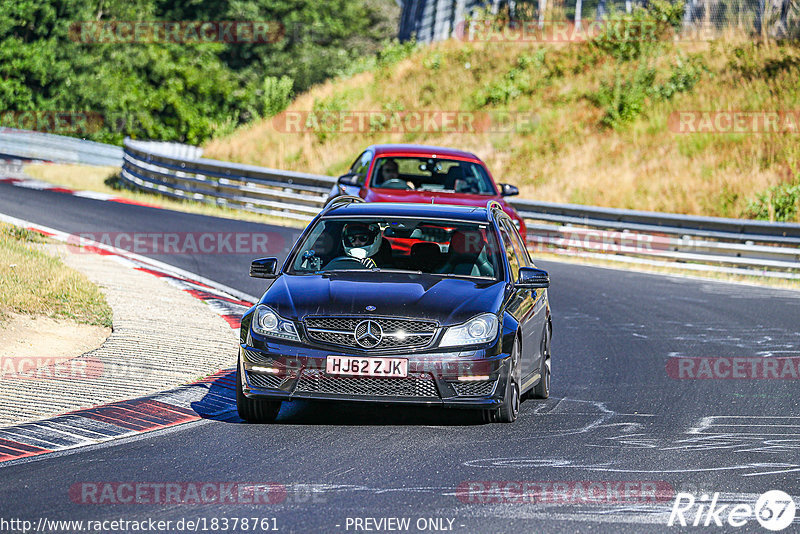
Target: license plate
x=352 y=366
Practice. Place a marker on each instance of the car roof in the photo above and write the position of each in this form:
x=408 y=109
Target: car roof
x=419 y=150
x=408 y=209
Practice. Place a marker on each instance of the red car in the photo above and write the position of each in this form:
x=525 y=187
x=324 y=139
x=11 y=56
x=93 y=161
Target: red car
x=424 y=174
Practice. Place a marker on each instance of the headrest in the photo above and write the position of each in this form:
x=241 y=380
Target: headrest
x=469 y=243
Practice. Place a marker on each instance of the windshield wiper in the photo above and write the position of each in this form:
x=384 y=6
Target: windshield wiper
x=453 y=275
x=389 y=270
x=445 y=275
x=332 y=271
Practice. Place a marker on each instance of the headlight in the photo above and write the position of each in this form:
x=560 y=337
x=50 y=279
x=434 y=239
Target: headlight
x=268 y=323
x=480 y=329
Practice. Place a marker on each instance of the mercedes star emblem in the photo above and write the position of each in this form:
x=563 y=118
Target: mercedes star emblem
x=368 y=334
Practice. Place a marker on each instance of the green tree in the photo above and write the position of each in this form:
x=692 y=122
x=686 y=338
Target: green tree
x=178 y=91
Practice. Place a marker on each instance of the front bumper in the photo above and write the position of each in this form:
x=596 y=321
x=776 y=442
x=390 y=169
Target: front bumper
x=287 y=372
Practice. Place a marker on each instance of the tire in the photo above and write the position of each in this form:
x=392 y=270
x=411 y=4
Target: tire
x=542 y=389
x=255 y=410
x=508 y=412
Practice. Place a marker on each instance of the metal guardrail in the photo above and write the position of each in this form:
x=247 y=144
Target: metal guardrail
x=668 y=223
x=57 y=148
x=293 y=195
x=697 y=243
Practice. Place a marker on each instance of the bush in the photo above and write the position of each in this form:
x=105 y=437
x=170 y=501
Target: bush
x=778 y=203
x=685 y=74
x=641 y=36
x=667 y=14
x=624 y=100
x=276 y=95
x=631 y=36
x=433 y=61
x=517 y=82
x=394 y=51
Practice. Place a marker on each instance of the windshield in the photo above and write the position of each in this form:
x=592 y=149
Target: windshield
x=431 y=174
x=421 y=246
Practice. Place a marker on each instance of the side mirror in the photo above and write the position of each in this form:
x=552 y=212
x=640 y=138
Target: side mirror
x=532 y=278
x=264 y=268
x=508 y=190
x=349 y=179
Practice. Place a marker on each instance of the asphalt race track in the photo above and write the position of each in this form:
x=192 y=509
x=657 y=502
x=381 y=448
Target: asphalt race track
x=615 y=415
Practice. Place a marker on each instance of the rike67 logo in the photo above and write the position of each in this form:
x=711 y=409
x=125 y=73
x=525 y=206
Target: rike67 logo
x=774 y=510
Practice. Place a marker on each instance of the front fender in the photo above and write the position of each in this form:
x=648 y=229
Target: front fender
x=509 y=332
x=244 y=329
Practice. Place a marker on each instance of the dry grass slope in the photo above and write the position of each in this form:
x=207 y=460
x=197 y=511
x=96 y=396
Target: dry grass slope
x=570 y=155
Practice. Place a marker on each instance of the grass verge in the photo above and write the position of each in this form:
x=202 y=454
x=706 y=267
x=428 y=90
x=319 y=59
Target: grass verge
x=34 y=283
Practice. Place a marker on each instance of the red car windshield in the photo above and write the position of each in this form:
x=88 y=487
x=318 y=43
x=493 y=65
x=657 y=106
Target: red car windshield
x=431 y=174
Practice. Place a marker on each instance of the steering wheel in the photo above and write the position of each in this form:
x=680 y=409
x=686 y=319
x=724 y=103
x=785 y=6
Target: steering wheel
x=344 y=262
x=395 y=183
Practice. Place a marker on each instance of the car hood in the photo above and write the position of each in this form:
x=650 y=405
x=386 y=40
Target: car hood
x=446 y=300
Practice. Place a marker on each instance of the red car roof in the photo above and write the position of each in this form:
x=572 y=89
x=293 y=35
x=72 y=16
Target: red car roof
x=398 y=149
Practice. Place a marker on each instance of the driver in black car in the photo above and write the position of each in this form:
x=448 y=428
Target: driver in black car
x=362 y=242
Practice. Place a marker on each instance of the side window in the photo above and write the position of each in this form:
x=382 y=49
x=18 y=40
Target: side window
x=518 y=244
x=511 y=253
x=361 y=166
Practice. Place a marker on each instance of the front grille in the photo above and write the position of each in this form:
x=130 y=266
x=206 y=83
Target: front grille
x=265 y=380
x=416 y=385
x=397 y=333
x=257 y=357
x=478 y=388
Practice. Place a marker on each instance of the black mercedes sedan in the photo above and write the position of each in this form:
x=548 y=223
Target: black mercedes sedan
x=399 y=303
